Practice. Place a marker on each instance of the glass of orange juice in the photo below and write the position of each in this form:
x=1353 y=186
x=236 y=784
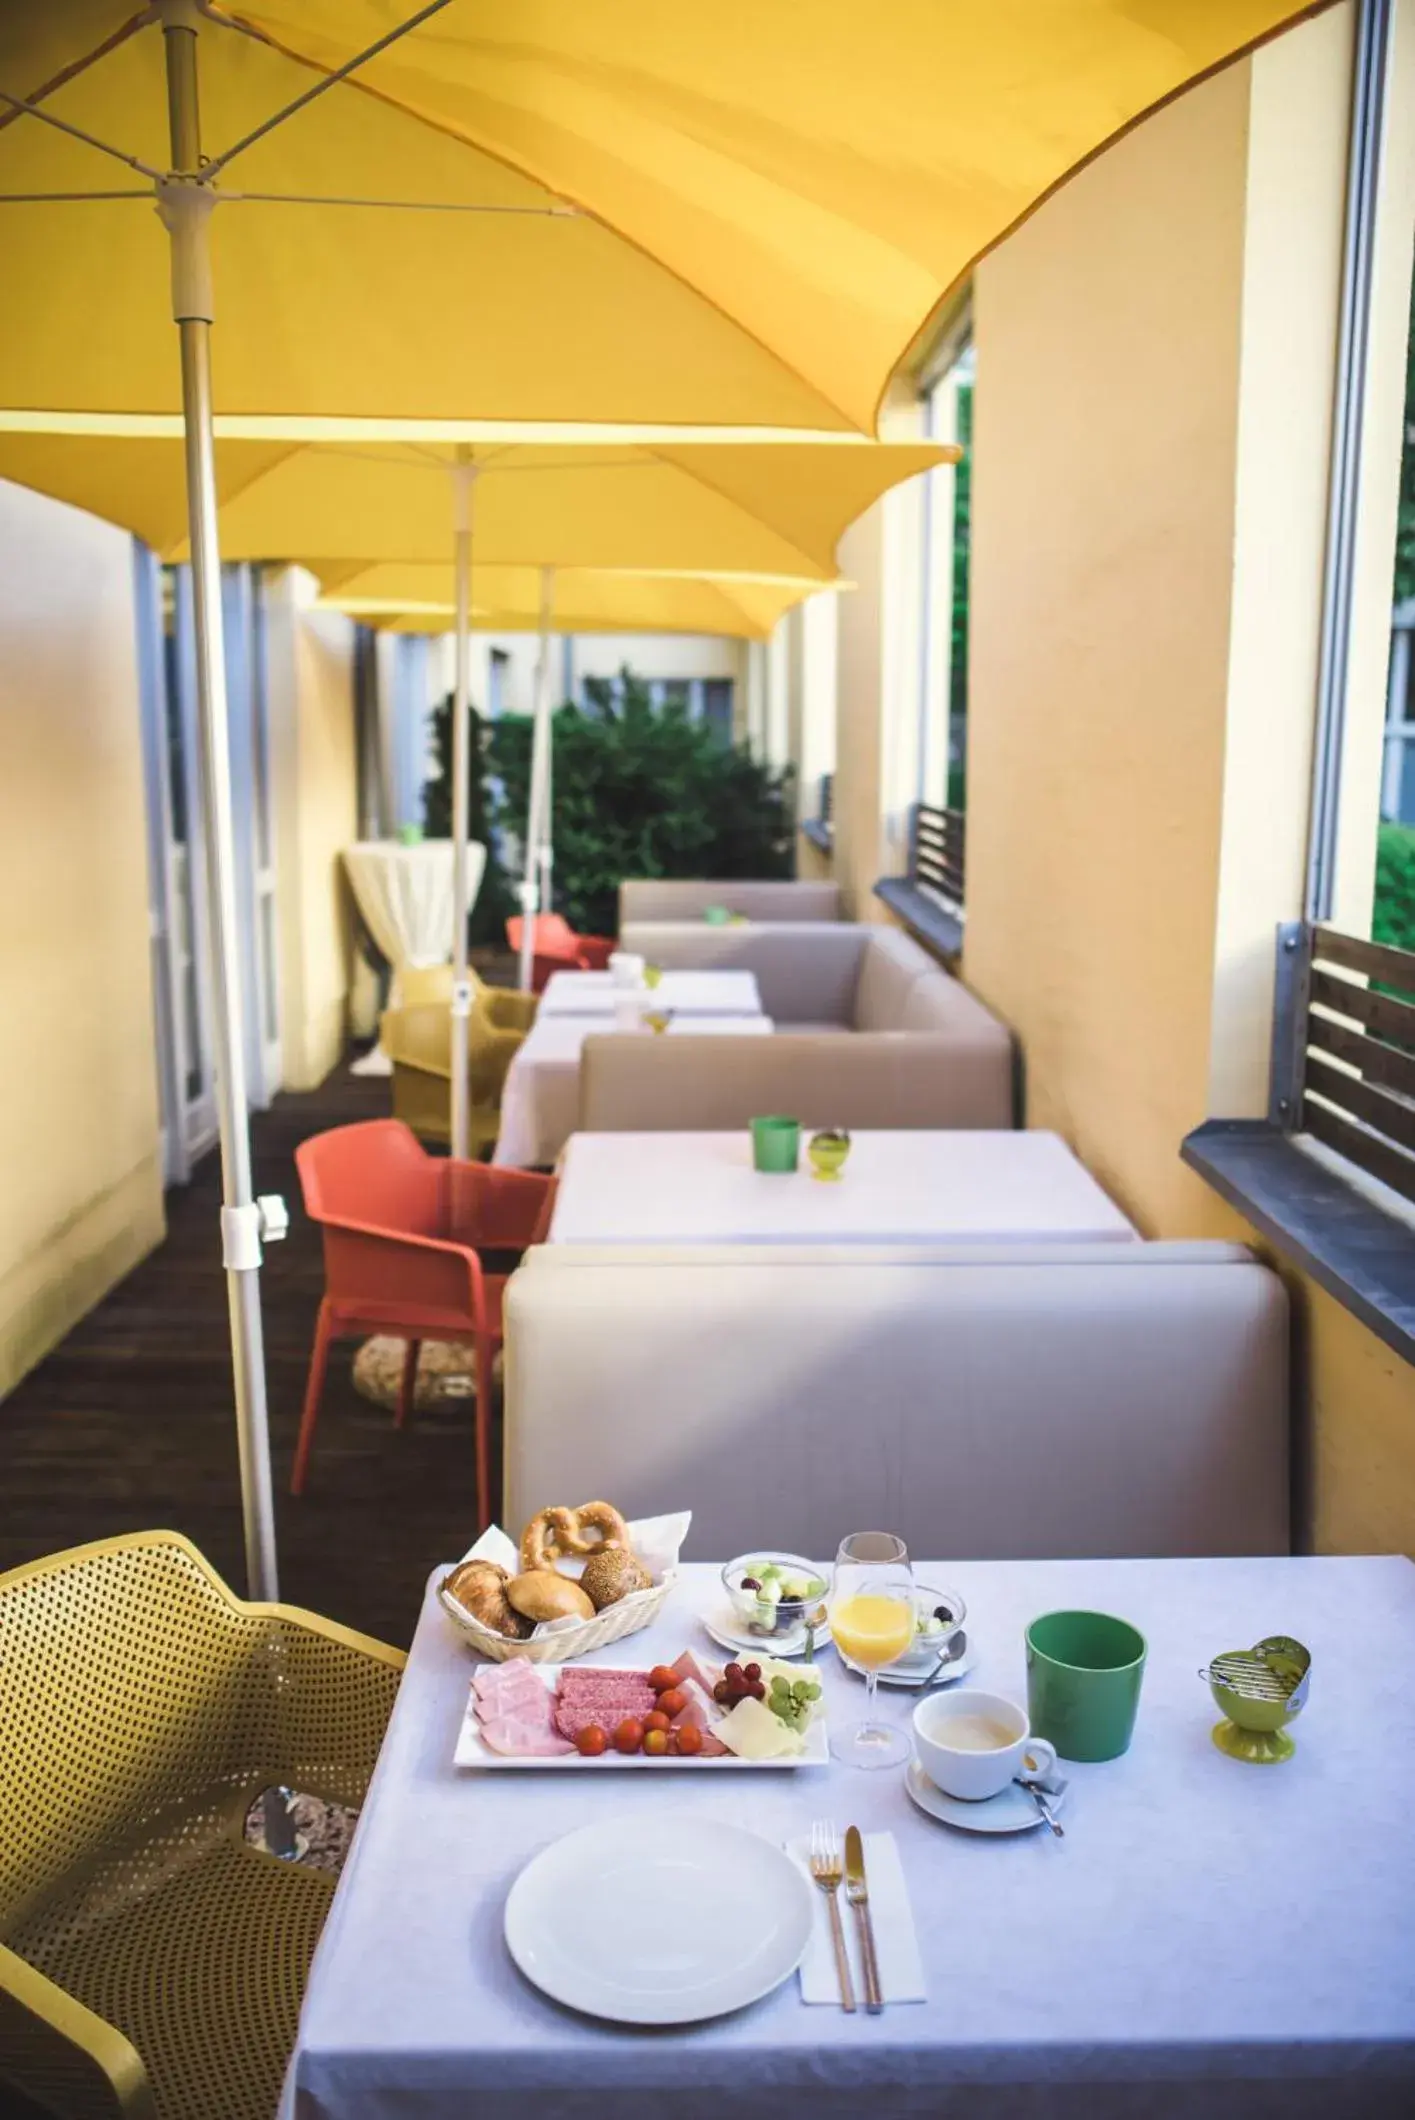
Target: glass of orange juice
x=872 y=1623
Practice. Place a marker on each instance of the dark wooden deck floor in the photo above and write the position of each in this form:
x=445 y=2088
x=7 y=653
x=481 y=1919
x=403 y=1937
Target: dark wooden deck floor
x=128 y=1425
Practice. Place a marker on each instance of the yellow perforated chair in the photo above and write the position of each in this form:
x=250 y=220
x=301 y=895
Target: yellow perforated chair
x=418 y=1040
x=151 y=1962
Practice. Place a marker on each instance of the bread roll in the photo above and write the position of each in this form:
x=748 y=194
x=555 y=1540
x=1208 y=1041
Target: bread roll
x=480 y=1588
x=541 y=1594
x=611 y=1574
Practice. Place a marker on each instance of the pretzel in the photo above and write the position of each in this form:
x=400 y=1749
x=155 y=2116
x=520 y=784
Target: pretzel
x=557 y=1532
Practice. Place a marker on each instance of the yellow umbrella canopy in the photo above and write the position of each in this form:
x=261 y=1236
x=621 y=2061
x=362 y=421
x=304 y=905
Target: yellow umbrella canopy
x=765 y=202
x=414 y=599
x=754 y=508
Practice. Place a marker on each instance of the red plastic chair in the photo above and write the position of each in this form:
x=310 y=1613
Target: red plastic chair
x=403 y=1231
x=557 y=948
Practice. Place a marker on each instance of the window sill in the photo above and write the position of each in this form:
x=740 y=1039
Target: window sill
x=1331 y=1226
x=935 y=923
x=820 y=835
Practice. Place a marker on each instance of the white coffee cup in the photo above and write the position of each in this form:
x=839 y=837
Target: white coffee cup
x=971 y=1745
x=626 y=968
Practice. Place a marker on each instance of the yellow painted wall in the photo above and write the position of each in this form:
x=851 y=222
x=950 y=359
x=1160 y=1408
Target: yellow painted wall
x=1155 y=355
x=80 y=1166
x=313 y=752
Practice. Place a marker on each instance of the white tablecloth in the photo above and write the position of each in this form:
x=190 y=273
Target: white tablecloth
x=541 y=1095
x=405 y=895
x=1210 y=1940
x=897 y=1188
x=694 y=993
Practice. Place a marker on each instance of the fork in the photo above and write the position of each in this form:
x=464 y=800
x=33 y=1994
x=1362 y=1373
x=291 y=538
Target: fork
x=828 y=1870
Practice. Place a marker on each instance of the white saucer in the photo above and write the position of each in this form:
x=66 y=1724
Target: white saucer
x=909 y=1675
x=1013 y=1811
x=719 y=1624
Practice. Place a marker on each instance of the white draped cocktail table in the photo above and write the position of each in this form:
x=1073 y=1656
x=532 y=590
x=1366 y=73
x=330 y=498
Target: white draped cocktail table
x=1210 y=1940
x=541 y=1095
x=897 y=1188
x=688 y=993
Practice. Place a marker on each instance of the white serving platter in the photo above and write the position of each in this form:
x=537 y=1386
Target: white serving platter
x=472 y=1751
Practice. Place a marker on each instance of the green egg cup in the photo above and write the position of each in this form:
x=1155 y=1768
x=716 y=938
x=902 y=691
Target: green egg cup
x=826 y=1158
x=1260 y=1748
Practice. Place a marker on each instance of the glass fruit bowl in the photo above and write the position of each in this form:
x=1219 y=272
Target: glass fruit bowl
x=772 y=1593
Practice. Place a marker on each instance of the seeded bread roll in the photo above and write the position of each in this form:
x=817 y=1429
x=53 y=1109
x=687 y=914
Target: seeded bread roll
x=611 y=1574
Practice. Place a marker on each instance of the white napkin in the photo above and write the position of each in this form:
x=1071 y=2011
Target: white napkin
x=657 y=1541
x=901 y=1970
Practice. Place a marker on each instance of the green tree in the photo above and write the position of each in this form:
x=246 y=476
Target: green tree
x=496 y=899
x=1405 y=529
x=638 y=791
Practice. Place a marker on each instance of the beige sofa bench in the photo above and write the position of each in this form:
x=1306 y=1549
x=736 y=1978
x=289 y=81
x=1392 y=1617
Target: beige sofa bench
x=658 y=898
x=924 y=1051
x=1066 y=1401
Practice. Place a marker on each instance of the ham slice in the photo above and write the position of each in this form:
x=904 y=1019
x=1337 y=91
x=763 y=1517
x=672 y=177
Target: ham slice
x=516 y=1712
x=522 y=1738
x=690 y=1669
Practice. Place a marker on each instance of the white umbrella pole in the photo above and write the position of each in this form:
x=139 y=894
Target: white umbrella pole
x=535 y=890
x=462 y=476
x=185 y=208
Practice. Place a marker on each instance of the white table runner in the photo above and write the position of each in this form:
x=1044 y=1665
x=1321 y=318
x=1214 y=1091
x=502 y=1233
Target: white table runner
x=541 y=1095
x=897 y=1188
x=696 y=993
x=1209 y=1940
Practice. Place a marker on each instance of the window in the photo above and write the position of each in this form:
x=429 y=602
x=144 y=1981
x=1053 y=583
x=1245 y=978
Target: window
x=717 y=707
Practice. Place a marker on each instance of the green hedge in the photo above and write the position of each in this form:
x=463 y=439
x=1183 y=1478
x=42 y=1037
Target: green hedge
x=1394 y=917
x=638 y=791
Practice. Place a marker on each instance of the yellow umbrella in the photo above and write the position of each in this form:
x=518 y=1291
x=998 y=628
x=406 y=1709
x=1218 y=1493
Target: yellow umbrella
x=576 y=600
x=738 y=212
x=417 y=599
x=733 y=214
x=773 y=511
x=753 y=508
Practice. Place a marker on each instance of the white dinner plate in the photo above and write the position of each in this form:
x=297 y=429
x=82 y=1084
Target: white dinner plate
x=472 y=1751
x=1011 y=1812
x=664 y=1921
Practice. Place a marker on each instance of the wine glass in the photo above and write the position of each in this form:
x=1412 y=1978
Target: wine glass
x=872 y=1623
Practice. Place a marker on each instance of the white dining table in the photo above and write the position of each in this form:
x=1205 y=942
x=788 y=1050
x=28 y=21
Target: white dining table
x=1210 y=1940
x=692 y=993
x=896 y=1188
x=541 y=1094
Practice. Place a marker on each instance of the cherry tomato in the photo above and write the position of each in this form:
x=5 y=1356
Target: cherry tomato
x=672 y=1703
x=690 y=1739
x=655 y=1743
x=591 y=1741
x=662 y=1678
x=656 y=1720
x=629 y=1736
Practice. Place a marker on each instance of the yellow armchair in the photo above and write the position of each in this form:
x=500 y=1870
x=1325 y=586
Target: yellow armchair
x=151 y=1962
x=418 y=1040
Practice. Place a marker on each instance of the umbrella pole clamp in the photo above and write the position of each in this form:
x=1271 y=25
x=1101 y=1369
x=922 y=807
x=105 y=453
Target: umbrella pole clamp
x=245 y=1230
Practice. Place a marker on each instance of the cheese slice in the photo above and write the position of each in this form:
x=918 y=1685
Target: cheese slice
x=753 y=1732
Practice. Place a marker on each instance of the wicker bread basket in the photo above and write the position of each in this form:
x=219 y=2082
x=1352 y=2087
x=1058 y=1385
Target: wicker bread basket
x=656 y=1540
x=560 y=1644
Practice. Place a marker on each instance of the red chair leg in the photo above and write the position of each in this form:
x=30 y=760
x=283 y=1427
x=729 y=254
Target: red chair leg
x=314 y=1391
x=407 y=1389
x=485 y=1350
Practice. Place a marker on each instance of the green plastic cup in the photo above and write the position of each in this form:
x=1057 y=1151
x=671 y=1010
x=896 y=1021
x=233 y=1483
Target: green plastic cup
x=1083 y=1682
x=776 y=1144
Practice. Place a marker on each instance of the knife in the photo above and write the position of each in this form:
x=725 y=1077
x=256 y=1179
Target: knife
x=857 y=1892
